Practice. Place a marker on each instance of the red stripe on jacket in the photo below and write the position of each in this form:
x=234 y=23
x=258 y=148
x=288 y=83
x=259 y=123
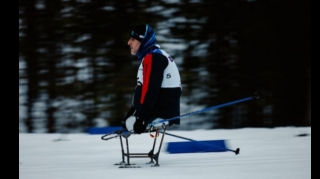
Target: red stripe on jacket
x=147 y=66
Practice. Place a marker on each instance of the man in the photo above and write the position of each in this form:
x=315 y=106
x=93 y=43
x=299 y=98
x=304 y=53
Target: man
x=158 y=90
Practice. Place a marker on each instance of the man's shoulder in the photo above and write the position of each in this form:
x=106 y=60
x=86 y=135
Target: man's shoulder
x=158 y=55
x=158 y=58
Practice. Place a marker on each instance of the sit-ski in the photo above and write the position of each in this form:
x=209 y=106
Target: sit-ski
x=125 y=134
x=156 y=126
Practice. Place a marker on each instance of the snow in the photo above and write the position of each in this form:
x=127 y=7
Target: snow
x=265 y=153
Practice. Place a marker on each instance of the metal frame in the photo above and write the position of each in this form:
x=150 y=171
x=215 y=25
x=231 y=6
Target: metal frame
x=127 y=155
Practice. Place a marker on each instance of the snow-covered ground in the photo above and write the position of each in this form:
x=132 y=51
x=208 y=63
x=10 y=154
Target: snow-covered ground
x=265 y=153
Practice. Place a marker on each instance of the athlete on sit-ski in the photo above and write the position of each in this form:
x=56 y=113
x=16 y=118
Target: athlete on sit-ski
x=157 y=94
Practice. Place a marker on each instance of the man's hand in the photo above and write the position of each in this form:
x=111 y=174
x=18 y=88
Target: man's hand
x=139 y=126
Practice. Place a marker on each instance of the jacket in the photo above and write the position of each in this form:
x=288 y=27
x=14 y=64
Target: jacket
x=158 y=90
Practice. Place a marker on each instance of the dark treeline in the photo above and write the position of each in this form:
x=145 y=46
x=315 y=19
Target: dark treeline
x=75 y=66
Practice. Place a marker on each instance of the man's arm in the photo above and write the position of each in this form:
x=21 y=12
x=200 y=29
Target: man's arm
x=153 y=68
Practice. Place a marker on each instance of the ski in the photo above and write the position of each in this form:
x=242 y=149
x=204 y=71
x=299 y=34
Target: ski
x=134 y=165
x=130 y=166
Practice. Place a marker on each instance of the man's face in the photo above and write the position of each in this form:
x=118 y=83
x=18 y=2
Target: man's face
x=134 y=45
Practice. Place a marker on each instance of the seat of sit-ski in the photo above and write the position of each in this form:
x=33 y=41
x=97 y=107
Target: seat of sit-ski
x=157 y=123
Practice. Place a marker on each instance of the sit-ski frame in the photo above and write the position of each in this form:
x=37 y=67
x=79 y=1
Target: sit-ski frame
x=128 y=155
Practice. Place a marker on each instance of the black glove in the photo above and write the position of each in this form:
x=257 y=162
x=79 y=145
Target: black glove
x=139 y=126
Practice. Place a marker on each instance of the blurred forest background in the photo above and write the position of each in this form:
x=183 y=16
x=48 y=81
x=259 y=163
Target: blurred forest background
x=76 y=70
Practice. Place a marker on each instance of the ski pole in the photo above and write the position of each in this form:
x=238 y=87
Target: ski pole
x=205 y=143
x=255 y=96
